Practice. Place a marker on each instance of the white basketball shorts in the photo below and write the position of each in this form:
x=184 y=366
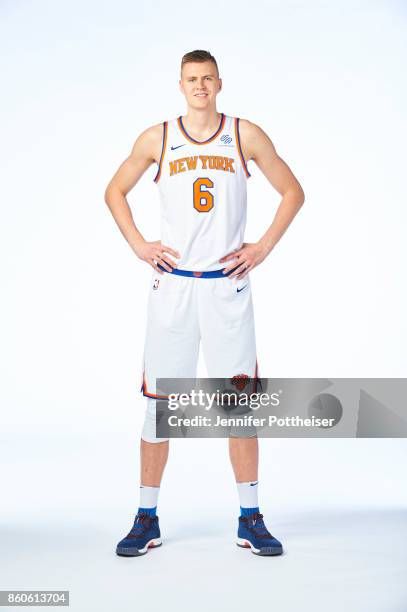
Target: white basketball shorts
x=182 y=313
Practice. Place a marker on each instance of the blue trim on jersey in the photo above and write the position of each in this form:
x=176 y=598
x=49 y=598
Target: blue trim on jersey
x=162 y=151
x=211 y=274
x=208 y=139
x=240 y=147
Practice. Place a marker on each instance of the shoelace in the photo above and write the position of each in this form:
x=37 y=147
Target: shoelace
x=141 y=524
x=256 y=524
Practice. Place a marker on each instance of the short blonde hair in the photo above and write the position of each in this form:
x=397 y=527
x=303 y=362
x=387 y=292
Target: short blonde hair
x=198 y=56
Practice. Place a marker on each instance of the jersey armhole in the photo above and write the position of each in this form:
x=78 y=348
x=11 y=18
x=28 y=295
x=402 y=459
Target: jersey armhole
x=163 y=146
x=239 y=148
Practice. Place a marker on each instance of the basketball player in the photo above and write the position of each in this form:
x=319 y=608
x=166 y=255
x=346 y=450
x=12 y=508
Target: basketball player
x=200 y=288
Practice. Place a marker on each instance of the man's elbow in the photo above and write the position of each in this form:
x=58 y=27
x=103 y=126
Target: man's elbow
x=301 y=195
x=106 y=196
x=297 y=194
x=110 y=193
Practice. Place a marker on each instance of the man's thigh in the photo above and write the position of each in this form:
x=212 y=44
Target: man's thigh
x=228 y=341
x=172 y=336
x=227 y=328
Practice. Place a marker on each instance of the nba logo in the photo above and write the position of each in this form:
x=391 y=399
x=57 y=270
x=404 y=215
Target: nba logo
x=156 y=283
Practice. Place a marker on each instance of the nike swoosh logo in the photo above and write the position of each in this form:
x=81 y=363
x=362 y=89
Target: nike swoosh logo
x=241 y=289
x=177 y=147
x=253 y=484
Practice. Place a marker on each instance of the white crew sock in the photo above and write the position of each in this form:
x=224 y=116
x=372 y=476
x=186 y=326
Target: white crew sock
x=148 y=496
x=248 y=494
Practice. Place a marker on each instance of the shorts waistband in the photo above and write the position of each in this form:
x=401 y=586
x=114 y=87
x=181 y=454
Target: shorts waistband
x=211 y=274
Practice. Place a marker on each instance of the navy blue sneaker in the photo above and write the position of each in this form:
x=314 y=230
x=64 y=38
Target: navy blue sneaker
x=253 y=534
x=144 y=534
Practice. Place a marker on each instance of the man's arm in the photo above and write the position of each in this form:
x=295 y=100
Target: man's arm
x=257 y=145
x=146 y=150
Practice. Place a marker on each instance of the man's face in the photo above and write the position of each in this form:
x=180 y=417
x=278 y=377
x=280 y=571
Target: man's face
x=200 y=84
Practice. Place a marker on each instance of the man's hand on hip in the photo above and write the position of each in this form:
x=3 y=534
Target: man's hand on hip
x=155 y=253
x=246 y=258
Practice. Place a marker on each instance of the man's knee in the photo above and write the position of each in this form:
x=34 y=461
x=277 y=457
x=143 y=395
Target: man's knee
x=148 y=433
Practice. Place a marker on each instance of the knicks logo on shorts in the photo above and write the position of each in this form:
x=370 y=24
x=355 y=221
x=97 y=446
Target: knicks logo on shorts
x=240 y=381
x=197 y=274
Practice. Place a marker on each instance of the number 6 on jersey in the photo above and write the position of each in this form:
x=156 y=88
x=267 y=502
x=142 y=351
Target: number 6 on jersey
x=202 y=194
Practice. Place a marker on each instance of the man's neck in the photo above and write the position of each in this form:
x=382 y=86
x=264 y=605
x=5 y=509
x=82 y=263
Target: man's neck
x=201 y=123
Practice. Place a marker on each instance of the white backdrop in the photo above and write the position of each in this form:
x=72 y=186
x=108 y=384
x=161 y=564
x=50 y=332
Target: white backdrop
x=81 y=80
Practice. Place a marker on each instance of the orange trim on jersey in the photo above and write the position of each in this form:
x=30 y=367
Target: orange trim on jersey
x=218 y=131
x=239 y=148
x=164 y=145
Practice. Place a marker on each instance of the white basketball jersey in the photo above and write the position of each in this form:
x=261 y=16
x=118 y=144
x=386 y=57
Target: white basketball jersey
x=203 y=194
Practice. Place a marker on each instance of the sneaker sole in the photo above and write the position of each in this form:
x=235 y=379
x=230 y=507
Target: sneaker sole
x=267 y=551
x=137 y=552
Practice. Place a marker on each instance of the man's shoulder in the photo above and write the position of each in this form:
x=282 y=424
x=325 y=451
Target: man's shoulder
x=248 y=128
x=149 y=142
x=250 y=133
x=153 y=132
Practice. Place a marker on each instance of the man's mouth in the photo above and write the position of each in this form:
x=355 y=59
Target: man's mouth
x=201 y=95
